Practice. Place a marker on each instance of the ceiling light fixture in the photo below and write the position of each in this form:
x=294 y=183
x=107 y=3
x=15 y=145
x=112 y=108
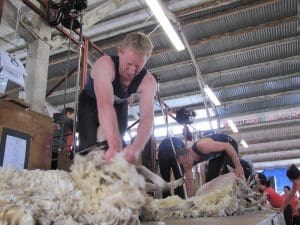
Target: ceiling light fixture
x=212 y=96
x=165 y=23
x=232 y=126
x=244 y=143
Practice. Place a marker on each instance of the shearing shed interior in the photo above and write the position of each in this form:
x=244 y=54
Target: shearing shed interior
x=235 y=70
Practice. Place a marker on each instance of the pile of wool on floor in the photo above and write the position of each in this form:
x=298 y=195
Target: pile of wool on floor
x=94 y=192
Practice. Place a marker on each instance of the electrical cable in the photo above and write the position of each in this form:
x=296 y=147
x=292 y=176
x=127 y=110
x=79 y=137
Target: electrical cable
x=65 y=91
x=77 y=83
x=164 y=112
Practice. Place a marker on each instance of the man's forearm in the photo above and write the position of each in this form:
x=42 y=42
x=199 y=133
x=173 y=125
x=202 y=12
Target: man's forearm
x=189 y=181
x=108 y=121
x=234 y=157
x=144 y=131
x=189 y=187
x=264 y=199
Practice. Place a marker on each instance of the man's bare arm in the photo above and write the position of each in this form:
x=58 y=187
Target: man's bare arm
x=146 y=108
x=146 y=91
x=264 y=198
x=188 y=179
x=208 y=145
x=103 y=74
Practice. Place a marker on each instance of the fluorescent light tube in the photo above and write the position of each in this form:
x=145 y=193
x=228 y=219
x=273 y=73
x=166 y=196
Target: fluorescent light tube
x=244 y=143
x=165 y=23
x=232 y=126
x=212 y=96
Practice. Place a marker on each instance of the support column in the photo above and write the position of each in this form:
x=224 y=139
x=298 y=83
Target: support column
x=1 y=9
x=37 y=63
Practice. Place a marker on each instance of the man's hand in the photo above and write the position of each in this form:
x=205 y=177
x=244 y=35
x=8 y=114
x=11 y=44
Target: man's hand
x=239 y=172
x=131 y=154
x=110 y=153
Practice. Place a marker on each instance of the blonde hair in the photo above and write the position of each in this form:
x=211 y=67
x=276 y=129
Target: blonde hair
x=138 y=42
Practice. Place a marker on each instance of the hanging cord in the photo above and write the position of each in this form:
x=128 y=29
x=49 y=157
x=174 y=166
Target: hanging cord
x=186 y=130
x=164 y=109
x=77 y=85
x=17 y=37
x=62 y=135
x=200 y=169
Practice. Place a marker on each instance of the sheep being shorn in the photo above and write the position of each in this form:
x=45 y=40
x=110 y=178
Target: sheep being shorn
x=223 y=196
x=106 y=193
x=117 y=193
x=94 y=192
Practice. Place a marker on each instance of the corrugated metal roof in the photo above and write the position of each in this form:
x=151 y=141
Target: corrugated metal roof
x=239 y=19
x=288 y=100
x=246 y=38
x=259 y=71
x=252 y=55
x=176 y=73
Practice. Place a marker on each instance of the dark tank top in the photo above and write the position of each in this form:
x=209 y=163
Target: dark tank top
x=215 y=137
x=120 y=94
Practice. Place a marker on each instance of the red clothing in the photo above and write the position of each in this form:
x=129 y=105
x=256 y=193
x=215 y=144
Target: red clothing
x=293 y=203
x=273 y=197
x=69 y=141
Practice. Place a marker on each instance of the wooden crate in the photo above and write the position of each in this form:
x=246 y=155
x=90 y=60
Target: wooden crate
x=19 y=117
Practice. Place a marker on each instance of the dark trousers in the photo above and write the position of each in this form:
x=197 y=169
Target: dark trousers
x=288 y=215
x=296 y=220
x=87 y=120
x=167 y=161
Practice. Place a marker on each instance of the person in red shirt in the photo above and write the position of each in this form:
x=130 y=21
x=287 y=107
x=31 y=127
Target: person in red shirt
x=293 y=202
x=258 y=178
x=69 y=117
x=275 y=200
x=293 y=174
